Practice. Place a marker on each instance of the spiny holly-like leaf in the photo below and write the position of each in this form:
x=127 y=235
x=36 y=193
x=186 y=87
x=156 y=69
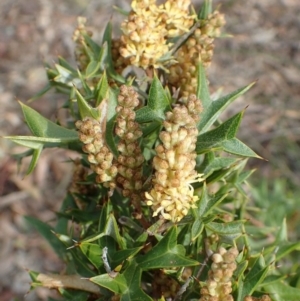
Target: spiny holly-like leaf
x=257 y=273
x=214 y=108
x=134 y=292
x=93 y=252
x=158 y=104
x=217 y=164
x=215 y=138
x=279 y=291
x=236 y=147
x=116 y=284
x=207 y=202
x=96 y=66
x=102 y=89
x=65 y=76
x=42 y=127
x=202 y=90
x=93 y=50
x=166 y=254
x=285 y=248
x=85 y=110
x=230 y=228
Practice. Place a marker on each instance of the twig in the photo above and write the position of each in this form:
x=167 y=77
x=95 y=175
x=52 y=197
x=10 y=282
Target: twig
x=55 y=281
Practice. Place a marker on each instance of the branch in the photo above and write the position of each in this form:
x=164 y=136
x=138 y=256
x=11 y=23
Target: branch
x=68 y=281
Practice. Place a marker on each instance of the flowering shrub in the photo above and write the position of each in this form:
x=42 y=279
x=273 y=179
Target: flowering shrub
x=158 y=186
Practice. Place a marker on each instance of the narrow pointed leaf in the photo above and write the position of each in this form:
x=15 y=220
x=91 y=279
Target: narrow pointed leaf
x=42 y=127
x=237 y=147
x=101 y=89
x=47 y=232
x=202 y=88
x=206 y=9
x=213 y=110
x=93 y=252
x=40 y=93
x=281 y=291
x=256 y=275
x=116 y=284
x=215 y=138
x=85 y=110
x=110 y=122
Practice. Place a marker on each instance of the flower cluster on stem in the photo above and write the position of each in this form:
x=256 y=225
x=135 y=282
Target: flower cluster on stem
x=81 y=48
x=198 y=48
x=218 y=285
x=172 y=194
x=99 y=155
x=146 y=32
x=130 y=157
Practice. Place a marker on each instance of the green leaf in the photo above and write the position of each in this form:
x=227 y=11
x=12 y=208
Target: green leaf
x=93 y=50
x=122 y=255
x=282 y=234
x=236 y=147
x=230 y=228
x=47 y=232
x=217 y=164
x=42 y=127
x=166 y=254
x=213 y=109
x=106 y=40
x=93 y=252
x=112 y=229
x=286 y=248
x=158 y=104
x=40 y=93
x=62 y=62
x=85 y=110
x=102 y=89
x=258 y=272
x=115 y=284
x=65 y=76
x=216 y=137
x=202 y=90
x=63 y=222
x=134 y=292
x=110 y=122
x=206 y=9
x=280 y=291
x=208 y=203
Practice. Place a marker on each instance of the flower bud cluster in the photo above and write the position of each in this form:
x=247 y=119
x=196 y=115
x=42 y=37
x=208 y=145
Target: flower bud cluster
x=172 y=194
x=164 y=285
x=80 y=50
x=176 y=16
x=147 y=29
x=130 y=158
x=262 y=298
x=218 y=285
x=99 y=155
x=198 y=48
